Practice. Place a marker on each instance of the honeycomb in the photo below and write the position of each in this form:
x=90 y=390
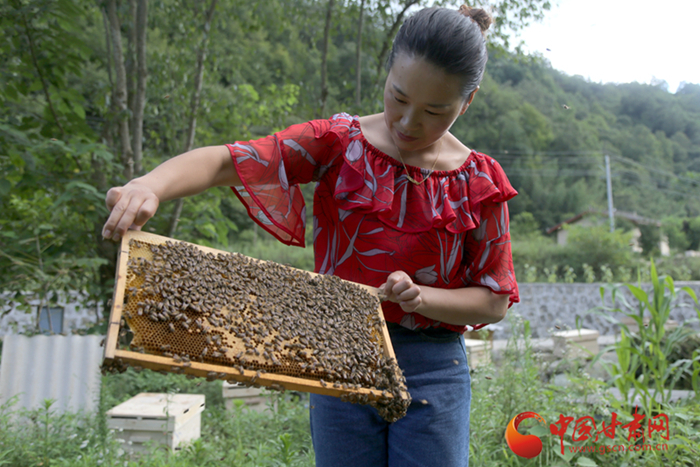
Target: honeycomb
x=230 y=310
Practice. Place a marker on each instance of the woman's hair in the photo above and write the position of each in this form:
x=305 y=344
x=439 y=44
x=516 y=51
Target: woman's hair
x=454 y=40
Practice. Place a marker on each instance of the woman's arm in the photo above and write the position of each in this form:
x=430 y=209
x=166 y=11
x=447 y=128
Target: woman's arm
x=185 y=175
x=463 y=306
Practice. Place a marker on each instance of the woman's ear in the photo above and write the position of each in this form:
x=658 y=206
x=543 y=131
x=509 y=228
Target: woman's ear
x=468 y=101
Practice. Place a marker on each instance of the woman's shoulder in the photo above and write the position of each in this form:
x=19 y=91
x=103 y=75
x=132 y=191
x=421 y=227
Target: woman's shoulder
x=371 y=127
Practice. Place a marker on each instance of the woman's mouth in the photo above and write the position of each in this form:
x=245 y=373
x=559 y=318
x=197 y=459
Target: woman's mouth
x=406 y=138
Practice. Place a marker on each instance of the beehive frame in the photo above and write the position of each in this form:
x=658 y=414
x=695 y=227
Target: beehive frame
x=112 y=352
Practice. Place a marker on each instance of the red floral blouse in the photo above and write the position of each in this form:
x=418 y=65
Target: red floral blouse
x=369 y=220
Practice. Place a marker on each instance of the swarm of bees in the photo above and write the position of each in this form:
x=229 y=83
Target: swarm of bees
x=232 y=310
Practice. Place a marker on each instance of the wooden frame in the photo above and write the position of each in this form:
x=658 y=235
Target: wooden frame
x=161 y=363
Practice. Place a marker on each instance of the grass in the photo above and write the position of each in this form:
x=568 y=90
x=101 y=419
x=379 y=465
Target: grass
x=281 y=437
x=240 y=437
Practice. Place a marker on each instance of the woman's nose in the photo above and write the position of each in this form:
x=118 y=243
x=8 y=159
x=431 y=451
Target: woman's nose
x=409 y=120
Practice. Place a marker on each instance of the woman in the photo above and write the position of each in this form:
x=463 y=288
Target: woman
x=401 y=204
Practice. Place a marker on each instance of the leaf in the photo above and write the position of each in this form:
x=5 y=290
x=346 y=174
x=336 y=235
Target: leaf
x=586 y=462
x=5 y=187
x=539 y=430
x=690 y=292
x=35 y=86
x=638 y=293
x=79 y=110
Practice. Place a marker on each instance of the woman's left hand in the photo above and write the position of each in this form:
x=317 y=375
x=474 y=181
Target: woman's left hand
x=399 y=288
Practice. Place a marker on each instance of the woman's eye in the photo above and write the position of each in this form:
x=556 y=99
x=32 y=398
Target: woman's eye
x=431 y=113
x=399 y=100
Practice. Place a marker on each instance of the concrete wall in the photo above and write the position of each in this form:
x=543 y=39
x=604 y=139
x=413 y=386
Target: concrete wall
x=544 y=305
x=75 y=316
x=548 y=305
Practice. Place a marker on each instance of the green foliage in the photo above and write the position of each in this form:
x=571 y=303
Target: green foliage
x=692 y=231
x=524 y=226
x=121 y=387
x=645 y=352
x=674 y=230
x=279 y=436
x=597 y=247
x=519 y=384
x=259 y=244
x=590 y=254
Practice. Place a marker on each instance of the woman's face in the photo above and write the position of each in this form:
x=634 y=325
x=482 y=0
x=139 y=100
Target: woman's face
x=421 y=102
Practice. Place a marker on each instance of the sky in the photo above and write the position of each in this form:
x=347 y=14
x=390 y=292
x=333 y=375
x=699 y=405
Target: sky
x=621 y=41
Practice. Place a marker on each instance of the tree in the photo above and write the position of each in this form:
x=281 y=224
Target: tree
x=194 y=107
x=324 y=58
x=119 y=93
x=358 y=59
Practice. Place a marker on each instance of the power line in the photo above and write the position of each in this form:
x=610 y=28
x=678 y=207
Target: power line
x=654 y=169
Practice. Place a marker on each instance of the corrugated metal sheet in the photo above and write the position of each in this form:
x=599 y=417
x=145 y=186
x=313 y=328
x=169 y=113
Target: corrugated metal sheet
x=63 y=368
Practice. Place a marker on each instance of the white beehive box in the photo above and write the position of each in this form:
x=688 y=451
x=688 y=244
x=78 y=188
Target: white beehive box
x=171 y=420
x=575 y=343
x=252 y=398
x=478 y=352
x=632 y=325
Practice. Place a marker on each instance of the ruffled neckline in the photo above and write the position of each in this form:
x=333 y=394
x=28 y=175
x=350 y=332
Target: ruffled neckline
x=411 y=168
x=370 y=181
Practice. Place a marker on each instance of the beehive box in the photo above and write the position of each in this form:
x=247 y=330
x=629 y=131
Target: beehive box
x=209 y=313
x=575 y=343
x=632 y=325
x=252 y=398
x=171 y=420
x=478 y=352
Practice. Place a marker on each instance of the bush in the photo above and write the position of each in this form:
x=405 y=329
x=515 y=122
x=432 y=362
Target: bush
x=591 y=253
x=246 y=438
x=680 y=267
x=267 y=248
x=677 y=238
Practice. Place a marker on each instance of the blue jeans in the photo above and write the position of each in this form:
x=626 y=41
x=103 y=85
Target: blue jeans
x=433 y=434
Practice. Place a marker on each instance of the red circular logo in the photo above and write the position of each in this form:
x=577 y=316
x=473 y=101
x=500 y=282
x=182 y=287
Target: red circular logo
x=527 y=446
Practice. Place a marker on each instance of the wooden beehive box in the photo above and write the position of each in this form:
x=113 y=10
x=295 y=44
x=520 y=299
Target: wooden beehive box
x=478 y=352
x=171 y=420
x=632 y=325
x=252 y=398
x=214 y=314
x=581 y=343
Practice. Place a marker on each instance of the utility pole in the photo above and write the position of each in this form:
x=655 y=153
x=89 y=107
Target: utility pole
x=611 y=214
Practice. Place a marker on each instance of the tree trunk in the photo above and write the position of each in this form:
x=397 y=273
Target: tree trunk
x=358 y=63
x=388 y=40
x=108 y=46
x=142 y=74
x=130 y=65
x=119 y=91
x=194 y=107
x=324 y=59
x=44 y=83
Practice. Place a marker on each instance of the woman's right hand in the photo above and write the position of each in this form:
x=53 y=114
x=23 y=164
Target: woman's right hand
x=130 y=207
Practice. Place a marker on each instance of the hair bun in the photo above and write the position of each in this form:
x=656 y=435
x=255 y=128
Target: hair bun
x=479 y=16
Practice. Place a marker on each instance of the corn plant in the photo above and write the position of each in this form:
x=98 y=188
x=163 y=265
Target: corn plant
x=644 y=352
